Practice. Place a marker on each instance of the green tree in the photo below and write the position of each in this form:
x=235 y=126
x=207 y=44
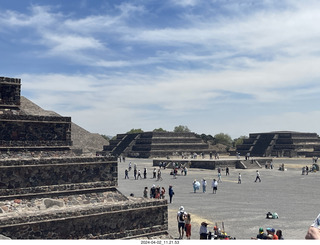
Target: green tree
x=223 y=139
x=159 y=130
x=239 y=141
x=181 y=129
x=105 y=137
x=207 y=138
x=135 y=130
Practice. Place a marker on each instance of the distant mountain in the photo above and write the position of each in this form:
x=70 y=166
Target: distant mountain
x=90 y=143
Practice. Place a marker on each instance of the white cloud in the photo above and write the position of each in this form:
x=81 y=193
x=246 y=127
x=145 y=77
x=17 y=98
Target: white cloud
x=195 y=72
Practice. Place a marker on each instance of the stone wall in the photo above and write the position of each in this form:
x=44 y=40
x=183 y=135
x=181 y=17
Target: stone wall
x=213 y=164
x=20 y=130
x=19 y=177
x=116 y=221
x=9 y=91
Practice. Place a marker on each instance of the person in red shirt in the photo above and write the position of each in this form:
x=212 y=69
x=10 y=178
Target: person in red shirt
x=271 y=232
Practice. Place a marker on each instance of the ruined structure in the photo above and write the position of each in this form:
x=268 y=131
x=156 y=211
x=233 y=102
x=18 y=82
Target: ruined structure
x=281 y=144
x=155 y=144
x=48 y=193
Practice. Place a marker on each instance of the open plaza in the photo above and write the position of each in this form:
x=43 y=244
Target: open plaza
x=241 y=207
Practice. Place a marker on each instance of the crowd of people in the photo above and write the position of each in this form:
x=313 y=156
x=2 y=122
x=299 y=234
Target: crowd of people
x=271 y=234
x=184 y=218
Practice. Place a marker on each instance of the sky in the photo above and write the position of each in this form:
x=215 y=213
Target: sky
x=216 y=66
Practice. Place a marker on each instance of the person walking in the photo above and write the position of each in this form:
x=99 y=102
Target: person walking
x=126 y=174
x=204 y=186
x=188 y=226
x=139 y=174
x=145 y=173
x=171 y=193
x=239 y=178
x=214 y=186
x=135 y=173
x=145 y=192
x=159 y=178
x=181 y=216
x=258 y=177
x=219 y=177
x=196 y=185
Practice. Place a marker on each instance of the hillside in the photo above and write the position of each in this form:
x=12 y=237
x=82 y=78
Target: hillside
x=81 y=138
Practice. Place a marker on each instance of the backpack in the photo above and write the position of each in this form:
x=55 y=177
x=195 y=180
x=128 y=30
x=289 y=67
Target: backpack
x=181 y=216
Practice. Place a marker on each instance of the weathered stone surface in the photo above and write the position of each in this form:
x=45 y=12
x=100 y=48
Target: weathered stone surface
x=51 y=203
x=47 y=193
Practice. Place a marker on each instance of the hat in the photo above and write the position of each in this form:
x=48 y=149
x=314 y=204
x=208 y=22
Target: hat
x=181 y=208
x=204 y=223
x=260 y=229
x=273 y=230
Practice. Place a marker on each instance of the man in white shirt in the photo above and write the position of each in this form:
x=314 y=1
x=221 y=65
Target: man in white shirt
x=181 y=215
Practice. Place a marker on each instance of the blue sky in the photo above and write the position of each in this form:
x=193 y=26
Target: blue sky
x=232 y=66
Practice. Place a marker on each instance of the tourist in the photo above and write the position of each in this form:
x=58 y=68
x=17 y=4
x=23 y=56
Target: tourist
x=157 y=193
x=227 y=170
x=163 y=191
x=261 y=235
x=181 y=215
x=185 y=171
x=154 y=173
x=188 y=226
x=203 y=231
x=153 y=191
x=219 y=177
x=307 y=170
x=175 y=172
x=204 y=186
x=216 y=155
x=196 y=185
x=135 y=174
x=126 y=175
x=129 y=166
x=159 y=178
x=214 y=186
x=239 y=178
x=271 y=234
x=145 y=192
x=145 y=173
x=258 y=177
x=171 y=193
x=279 y=234
x=314 y=230
x=139 y=174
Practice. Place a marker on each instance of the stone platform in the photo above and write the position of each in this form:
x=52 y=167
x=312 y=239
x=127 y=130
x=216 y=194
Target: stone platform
x=255 y=163
x=73 y=198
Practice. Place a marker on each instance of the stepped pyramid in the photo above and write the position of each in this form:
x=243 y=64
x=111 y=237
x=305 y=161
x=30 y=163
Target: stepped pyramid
x=155 y=144
x=281 y=144
x=47 y=192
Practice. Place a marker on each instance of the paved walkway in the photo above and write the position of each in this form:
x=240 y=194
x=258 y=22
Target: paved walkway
x=242 y=207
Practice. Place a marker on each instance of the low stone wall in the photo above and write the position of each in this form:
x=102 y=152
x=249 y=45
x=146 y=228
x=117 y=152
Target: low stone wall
x=116 y=221
x=212 y=164
x=20 y=177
